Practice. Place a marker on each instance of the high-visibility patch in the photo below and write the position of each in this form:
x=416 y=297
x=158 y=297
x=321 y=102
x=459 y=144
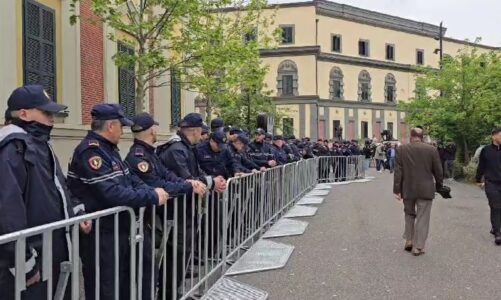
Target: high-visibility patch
x=95 y=162
x=143 y=166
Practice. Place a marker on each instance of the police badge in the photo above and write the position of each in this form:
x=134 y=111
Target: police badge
x=95 y=162
x=143 y=166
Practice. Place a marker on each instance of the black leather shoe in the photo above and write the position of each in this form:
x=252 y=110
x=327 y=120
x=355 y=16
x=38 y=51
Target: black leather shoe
x=408 y=247
x=497 y=240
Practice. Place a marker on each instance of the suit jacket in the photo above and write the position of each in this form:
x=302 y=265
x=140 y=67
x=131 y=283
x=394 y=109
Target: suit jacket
x=417 y=164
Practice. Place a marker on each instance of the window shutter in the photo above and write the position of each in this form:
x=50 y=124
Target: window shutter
x=39 y=49
x=127 y=84
x=175 y=91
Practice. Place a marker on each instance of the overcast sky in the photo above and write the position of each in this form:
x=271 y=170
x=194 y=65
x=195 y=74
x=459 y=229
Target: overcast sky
x=463 y=18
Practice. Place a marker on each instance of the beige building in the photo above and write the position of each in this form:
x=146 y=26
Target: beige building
x=345 y=67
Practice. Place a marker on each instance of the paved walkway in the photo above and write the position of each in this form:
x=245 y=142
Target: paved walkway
x=352 y=249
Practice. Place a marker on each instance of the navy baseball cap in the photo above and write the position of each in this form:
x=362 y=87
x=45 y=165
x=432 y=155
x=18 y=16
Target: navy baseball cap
x=236 y=130
x=242 y=137
x=109 y=111
x=260 y=131
x=216 y=123
x=219 y=137
x=191 y=120
x=268 y=136
x=278 y=138
x=205 y=129
x=142 y=122
x=33 y=96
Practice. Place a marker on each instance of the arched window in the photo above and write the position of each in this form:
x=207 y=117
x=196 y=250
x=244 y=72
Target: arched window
x=287 y=79
x=336 y=84
x=390 y=89
x=364 y=86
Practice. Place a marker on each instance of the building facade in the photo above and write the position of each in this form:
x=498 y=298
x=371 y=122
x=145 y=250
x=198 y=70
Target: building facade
x=74 y=63
x=342 y=69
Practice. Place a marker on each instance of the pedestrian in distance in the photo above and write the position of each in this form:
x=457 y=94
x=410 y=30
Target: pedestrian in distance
x=418 y=174
x=489 y=178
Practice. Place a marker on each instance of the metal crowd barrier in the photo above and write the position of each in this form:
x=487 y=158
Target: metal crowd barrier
x=66 y=264
x=340 y=168
x=179 y=250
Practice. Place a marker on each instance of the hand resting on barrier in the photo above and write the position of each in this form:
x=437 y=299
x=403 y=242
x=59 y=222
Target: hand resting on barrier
x=199 y=187
x=220 y=184
x=86 y=226
x=163 y=196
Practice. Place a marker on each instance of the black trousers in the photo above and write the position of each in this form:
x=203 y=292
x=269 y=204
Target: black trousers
x=106 y=264
x=493 y=192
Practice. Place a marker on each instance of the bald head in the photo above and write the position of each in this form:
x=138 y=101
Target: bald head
x=417 y=134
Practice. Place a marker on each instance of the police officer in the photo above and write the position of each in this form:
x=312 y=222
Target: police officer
x=214 y=157
x=145 y=163
x=233 y=134
x=293 y=146
x=237 y=148
x=34 y=190
x=216 y=124
x=279 y=151
x=205 y=133
x=179 y=155
x=101 y=180
x=260 y=151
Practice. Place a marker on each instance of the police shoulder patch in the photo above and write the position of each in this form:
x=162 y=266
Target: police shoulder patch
x=139 y=152
x=93 y=143
x=95 y=162
x=143 y=166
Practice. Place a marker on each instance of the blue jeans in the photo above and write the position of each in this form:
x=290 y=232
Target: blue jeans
x=392 y=164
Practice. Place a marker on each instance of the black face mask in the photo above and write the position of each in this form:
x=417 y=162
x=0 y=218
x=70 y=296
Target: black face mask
x=34 y=128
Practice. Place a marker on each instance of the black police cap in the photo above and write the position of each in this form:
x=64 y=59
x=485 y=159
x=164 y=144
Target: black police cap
x=205 y=129
x=191 y=120
x=32 y=96
x=218 y=136
x=110 y=111
x=243 y=138
x=278 y=138
x=142 y=122
x=217 y=123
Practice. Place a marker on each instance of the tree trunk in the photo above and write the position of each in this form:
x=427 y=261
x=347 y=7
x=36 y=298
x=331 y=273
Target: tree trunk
x=140 y=84
x=466 y=151
x=208 y=110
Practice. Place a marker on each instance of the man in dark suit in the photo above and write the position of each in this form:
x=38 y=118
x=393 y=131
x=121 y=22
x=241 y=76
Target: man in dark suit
x=417 y=164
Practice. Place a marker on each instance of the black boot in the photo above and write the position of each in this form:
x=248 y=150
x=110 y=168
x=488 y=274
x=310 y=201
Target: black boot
x=497 y=239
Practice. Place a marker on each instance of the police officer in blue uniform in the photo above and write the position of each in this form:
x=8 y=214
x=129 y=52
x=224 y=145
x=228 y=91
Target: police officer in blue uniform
x=179 y=155
x=34 y=190
x=145 y=163
x=214 y=157
x=205 y=133
x=216 y=124
x=237 y=148
x=260 y=151
x=101 y=180
x=279 y=151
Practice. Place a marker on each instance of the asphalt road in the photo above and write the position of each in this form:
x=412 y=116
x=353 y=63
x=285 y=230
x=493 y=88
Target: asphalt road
x=353 y=249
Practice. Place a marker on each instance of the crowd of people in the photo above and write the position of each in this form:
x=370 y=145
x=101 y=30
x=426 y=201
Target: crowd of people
x=198 y=159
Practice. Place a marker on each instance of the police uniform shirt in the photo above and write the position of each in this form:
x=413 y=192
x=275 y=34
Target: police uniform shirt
x=98 y=176
x=144 y=162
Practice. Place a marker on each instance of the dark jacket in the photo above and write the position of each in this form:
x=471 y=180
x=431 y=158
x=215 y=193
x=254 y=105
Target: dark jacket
x=489 y=164
x=33 y=193
x=100 y=179
x=417 y=164
x=261 y=153
x=280 y=155
x=144 y=162
x=216 y=163
x=179 y=156
x=238 y=159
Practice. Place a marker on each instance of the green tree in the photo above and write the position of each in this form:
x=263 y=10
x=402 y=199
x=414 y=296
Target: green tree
x=154 y=29
x=460 y=102
x=227 y=69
